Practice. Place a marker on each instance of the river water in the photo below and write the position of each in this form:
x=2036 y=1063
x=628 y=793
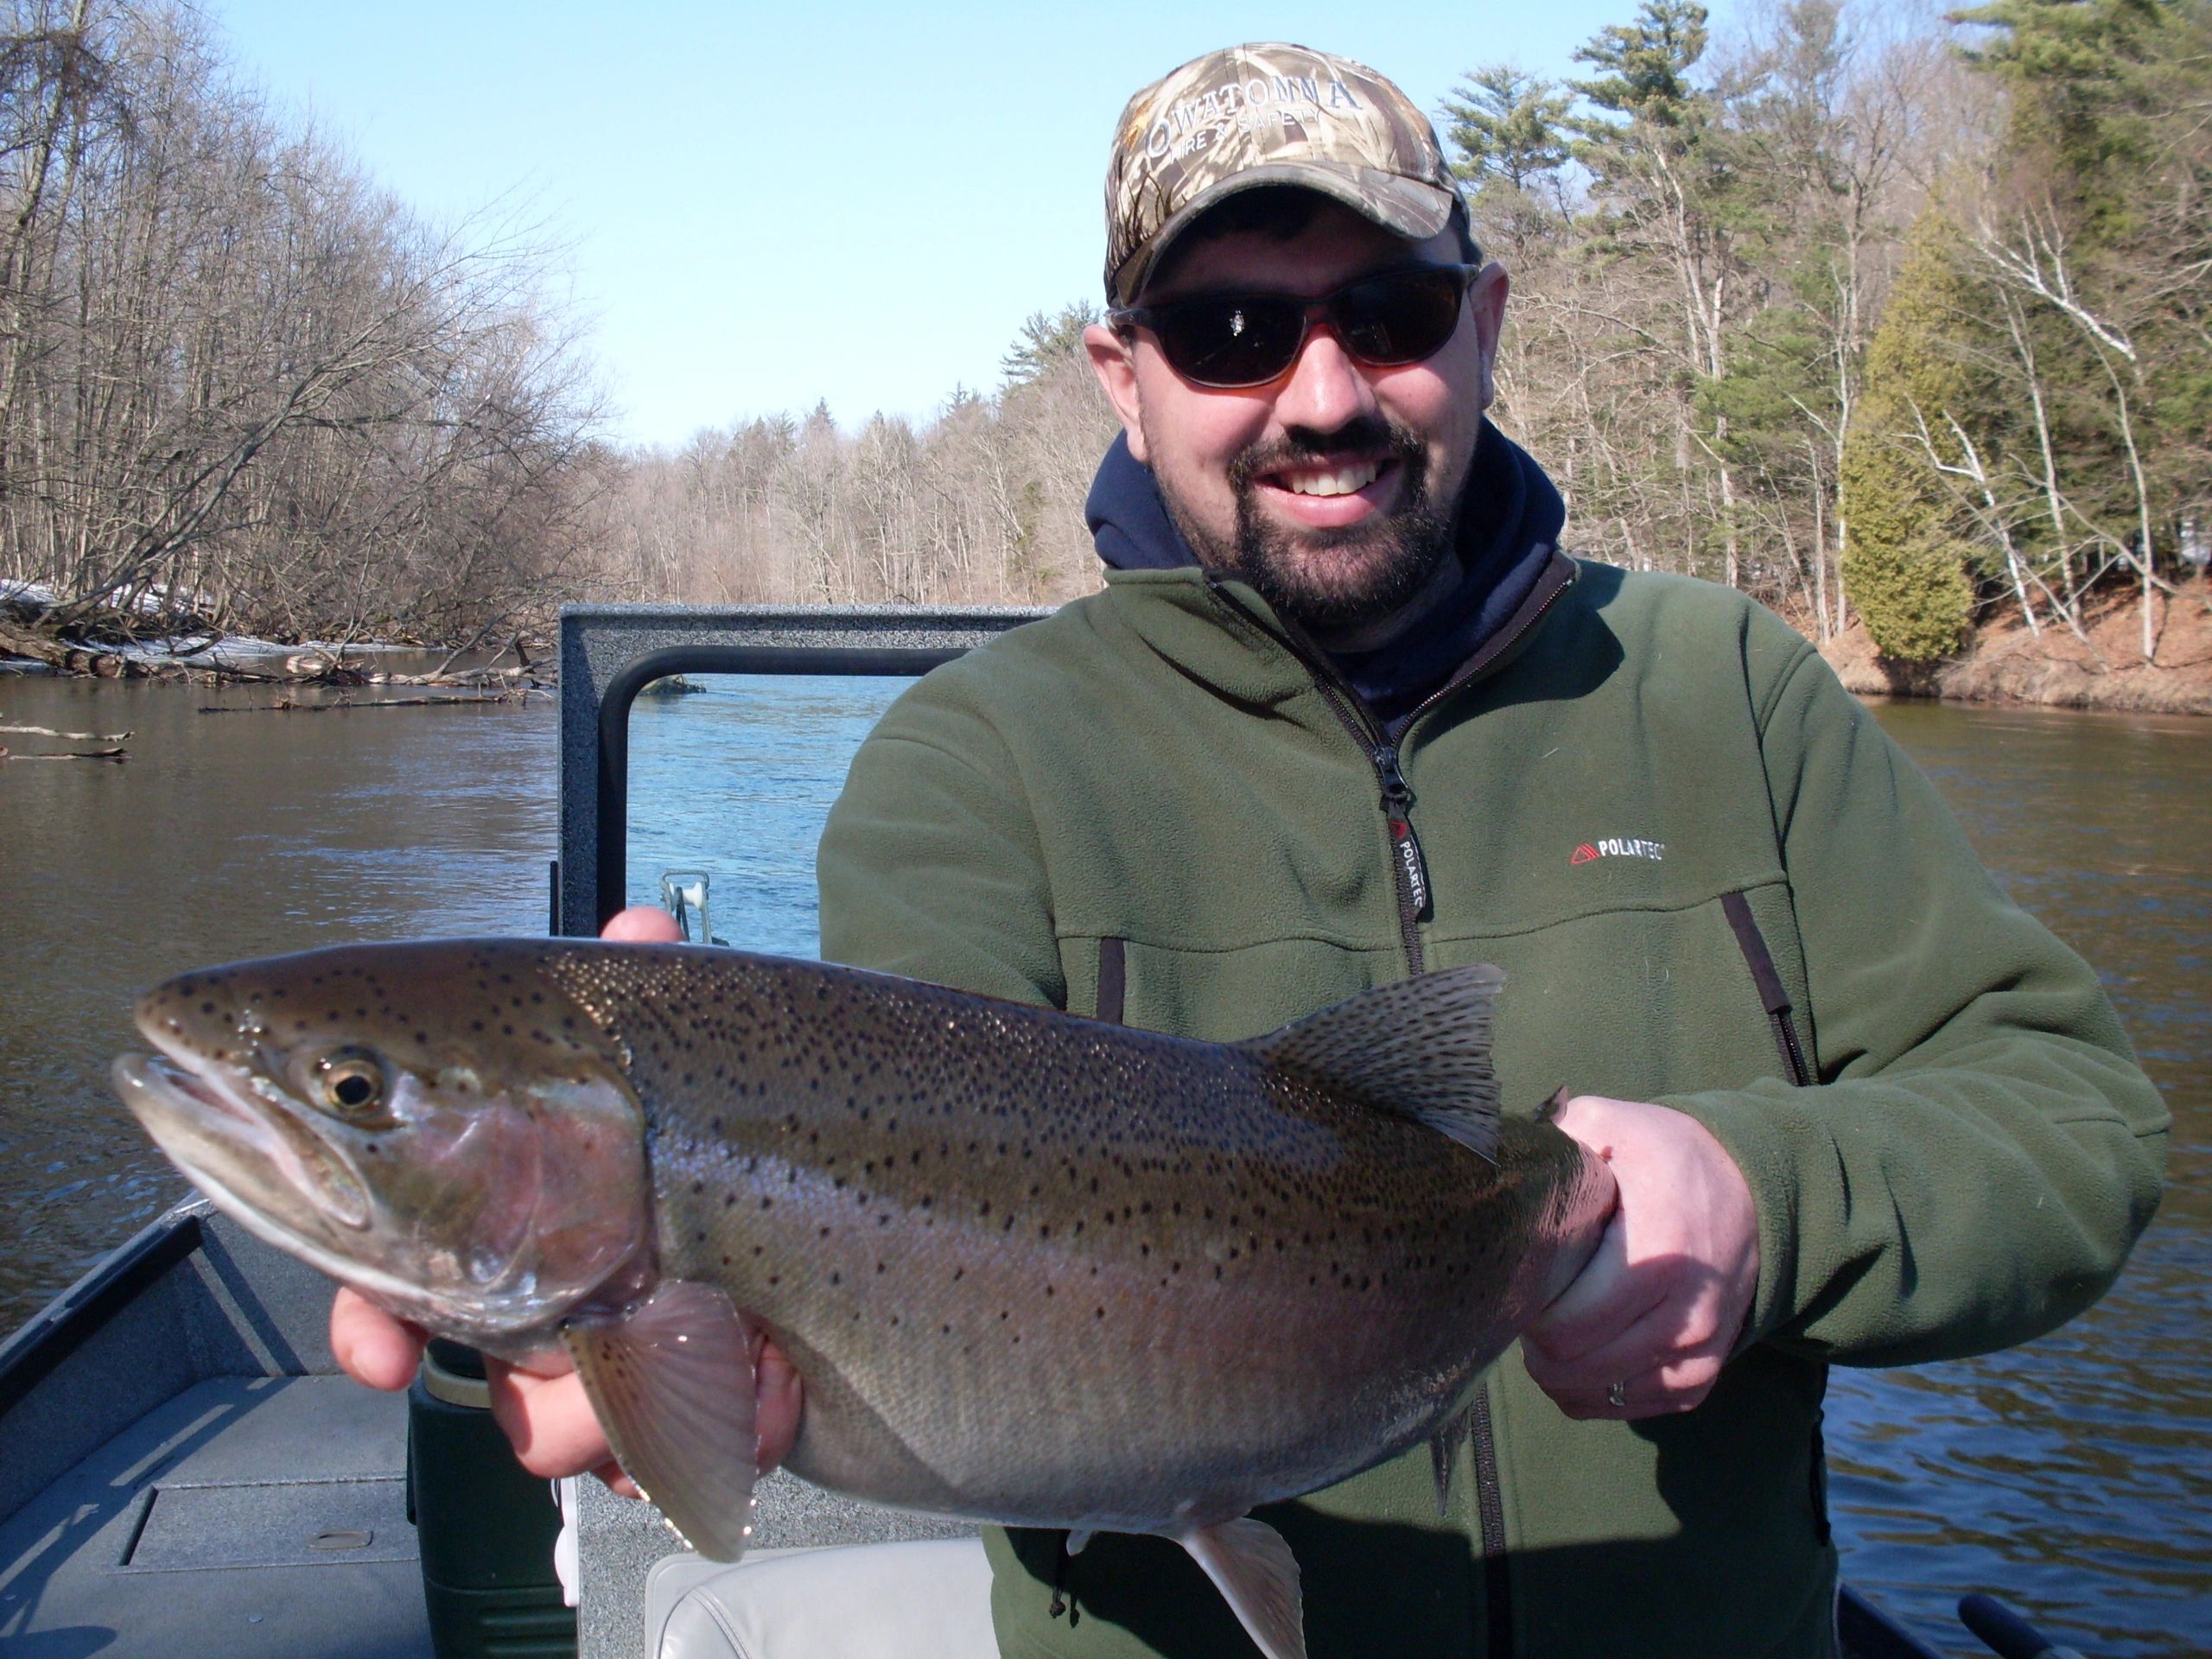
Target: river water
x=2073 y=1474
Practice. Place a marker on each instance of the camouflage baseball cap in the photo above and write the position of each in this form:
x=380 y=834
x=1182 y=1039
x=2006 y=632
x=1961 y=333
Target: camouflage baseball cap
x=1264 y=114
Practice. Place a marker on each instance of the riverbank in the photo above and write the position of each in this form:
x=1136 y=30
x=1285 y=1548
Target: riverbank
x=2008 y=663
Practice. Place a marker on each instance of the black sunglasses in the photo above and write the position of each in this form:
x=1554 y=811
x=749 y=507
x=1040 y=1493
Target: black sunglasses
x=1225 y=340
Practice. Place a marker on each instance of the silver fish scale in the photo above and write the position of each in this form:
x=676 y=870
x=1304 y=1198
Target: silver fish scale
x=974 y=1223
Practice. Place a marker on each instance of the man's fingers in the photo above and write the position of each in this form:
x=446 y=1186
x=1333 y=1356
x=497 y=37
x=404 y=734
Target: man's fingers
x=1605 y=1298
x=549 y=1419
x=369 y=1345
x=777 y=1425
x=611 y=1477
x=1677 y=1387
x=642 y=925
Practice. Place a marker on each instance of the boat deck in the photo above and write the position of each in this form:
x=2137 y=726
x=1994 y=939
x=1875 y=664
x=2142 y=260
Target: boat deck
x=176 y=1482
x=247 y=1516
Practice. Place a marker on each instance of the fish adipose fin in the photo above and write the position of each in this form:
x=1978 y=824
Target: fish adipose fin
x=1420 y=1048
x=672 y=1386
x=1253 y=1567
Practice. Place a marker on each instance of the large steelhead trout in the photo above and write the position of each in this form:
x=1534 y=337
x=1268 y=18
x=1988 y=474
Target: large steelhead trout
x=1030 y=1268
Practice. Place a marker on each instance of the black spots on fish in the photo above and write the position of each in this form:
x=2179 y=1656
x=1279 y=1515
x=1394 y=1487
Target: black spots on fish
x=880 y=1267
x=836 y=1278
x=766 y=1203
x=729 y=1200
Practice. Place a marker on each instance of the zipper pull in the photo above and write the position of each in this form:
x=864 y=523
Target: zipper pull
x=1405 y=845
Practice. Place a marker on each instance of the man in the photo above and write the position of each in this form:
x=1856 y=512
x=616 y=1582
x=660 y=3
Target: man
x=1345 y=713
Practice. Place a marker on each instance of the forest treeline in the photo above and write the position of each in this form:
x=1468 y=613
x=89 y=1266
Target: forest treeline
x=1868 y=312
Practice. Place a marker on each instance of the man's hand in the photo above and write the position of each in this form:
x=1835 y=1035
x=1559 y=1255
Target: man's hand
x=1644 y=1327
x=543 y=1409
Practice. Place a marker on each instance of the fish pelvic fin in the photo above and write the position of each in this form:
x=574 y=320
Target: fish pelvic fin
x=1255 y=1571
x=673 y=1385
x=1420 y=1048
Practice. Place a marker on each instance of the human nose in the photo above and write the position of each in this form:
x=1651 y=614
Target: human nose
x=1327 y=388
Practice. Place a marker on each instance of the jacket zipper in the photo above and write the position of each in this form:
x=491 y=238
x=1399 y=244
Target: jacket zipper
x=1416 y=903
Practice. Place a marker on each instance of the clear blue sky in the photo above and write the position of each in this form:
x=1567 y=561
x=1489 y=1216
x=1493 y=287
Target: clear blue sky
x=767 y=204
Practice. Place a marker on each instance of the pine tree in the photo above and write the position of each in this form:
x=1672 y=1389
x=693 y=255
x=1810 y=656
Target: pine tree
x=1904 y=563
x=1509 y=131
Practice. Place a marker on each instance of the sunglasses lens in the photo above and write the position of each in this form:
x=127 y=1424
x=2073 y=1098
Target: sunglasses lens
x=1231 y=342
x=1400 y=318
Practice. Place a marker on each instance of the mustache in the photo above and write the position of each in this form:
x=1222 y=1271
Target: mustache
x=1363 y=432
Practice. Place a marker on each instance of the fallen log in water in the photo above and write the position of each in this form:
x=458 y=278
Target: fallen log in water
x=288 y=706
x=74 y=737
x=68 y=754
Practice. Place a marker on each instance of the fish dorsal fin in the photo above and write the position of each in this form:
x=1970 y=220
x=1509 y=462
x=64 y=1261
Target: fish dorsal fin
x=1255 y=1572
x=672 y=1385
x=1420 y=1048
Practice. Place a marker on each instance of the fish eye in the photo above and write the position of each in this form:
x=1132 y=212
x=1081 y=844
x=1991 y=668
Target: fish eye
x=349 y=1082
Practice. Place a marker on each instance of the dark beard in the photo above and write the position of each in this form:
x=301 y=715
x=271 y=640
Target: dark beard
x=1331 y=580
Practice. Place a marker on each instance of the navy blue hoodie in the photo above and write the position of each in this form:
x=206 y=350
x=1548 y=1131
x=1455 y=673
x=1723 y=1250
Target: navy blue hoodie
x=1509 y=518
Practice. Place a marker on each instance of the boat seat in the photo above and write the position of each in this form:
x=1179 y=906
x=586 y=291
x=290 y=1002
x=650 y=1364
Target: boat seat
x=927 y=1599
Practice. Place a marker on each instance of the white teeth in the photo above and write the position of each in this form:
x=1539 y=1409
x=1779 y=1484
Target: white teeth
x=1343 y=481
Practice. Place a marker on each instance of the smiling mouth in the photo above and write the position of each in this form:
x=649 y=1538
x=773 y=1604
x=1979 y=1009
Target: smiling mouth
x=1341 y=478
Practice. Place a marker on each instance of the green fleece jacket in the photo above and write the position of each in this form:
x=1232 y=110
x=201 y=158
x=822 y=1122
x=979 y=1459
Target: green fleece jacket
x=1703 y=867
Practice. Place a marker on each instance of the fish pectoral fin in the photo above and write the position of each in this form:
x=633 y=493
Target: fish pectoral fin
x=673 y=1385
x=1255 y=1571
x=1418 y=1047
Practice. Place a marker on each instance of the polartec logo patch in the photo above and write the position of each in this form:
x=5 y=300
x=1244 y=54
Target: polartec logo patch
x=1590 y=851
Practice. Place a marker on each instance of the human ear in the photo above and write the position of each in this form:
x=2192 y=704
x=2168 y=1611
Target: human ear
x=1113 y=361
x=1486 y=297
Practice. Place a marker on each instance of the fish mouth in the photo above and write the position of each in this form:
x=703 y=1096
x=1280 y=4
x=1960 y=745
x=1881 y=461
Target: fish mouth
x=229 y=1141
